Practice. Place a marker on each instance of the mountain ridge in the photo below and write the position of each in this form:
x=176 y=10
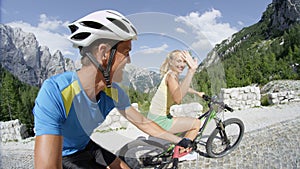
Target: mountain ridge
x=265 y=51
x=22 y=56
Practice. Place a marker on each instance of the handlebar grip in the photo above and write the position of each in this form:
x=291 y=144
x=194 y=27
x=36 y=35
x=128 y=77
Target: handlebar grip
x=228 y=108
x=206 y=98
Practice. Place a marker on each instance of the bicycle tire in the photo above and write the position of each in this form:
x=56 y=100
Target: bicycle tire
x=215 y=147
x=132 y=152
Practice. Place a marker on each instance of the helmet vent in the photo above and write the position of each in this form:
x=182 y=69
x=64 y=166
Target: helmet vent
x=81 y=36
x=73 y=28
x=133 y=29
x=94 y=25
x=119 y=24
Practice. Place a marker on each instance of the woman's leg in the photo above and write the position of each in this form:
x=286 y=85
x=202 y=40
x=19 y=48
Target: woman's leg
x=186 y=124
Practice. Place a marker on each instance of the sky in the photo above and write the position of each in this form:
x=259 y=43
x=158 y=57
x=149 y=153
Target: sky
x=162 y=25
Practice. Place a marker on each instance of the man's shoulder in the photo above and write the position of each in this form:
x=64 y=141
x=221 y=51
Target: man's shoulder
x=64 y=76
x=62 y=80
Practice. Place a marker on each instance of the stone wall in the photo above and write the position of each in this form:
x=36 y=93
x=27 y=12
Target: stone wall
x=282 y=91
x=188 y=110
x=12 y=130
x=283 y=97
x=115 y=120
x=241 y=98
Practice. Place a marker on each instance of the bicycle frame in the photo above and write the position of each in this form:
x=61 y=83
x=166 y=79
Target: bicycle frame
x=169 y=153
x=174 y=149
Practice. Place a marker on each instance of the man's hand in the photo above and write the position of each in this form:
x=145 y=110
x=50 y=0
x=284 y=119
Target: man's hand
x=186 y=143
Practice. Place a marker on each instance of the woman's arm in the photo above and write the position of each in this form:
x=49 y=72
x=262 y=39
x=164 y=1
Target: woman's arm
x=178 y=91
x=192 y=91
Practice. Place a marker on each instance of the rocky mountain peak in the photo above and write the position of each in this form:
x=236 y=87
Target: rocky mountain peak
x=21 y=54
x=279 y=16
x=285 y=13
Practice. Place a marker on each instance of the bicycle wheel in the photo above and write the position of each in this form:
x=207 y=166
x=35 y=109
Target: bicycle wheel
x=217 y=145
x=141 y=153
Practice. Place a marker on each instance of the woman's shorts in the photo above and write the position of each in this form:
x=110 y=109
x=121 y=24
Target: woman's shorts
x=163 y=121
x=93 y=156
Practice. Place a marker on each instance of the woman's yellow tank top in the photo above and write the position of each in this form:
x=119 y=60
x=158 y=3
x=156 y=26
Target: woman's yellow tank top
x=162 y=99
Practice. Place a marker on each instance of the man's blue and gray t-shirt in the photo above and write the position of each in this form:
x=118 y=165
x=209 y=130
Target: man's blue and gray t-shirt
x=63 y=108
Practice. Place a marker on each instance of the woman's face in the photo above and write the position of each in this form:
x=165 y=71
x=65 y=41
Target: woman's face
x=177 y=63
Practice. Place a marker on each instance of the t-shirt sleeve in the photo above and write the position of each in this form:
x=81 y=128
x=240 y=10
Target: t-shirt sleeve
x=123 y=101
x=48 y=110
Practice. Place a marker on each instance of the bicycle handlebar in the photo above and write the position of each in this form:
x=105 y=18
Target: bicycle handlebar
x=213 y=100
x=228 y=108
x=206 y=98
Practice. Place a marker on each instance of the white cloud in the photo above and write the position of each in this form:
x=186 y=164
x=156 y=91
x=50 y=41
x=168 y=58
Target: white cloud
x=241 y=23
x=50 y=23
x=148 y=50
x=48 y=33
x=144 y=47
x=207 y=25
x=180 y=30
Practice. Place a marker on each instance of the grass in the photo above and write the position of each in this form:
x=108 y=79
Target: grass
x=110 y=130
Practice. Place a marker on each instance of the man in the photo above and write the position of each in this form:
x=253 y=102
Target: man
x=71 y=105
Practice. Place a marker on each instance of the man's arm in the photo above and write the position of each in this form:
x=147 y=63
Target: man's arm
x=47 y=152
x=148 y=126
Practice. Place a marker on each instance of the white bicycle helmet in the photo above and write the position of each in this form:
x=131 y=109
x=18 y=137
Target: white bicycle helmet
x=106 y=24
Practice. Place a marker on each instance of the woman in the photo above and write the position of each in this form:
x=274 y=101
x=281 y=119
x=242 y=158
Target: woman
x=171 y=92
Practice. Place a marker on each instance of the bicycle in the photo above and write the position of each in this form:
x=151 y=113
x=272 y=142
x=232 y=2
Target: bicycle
x=160 y=154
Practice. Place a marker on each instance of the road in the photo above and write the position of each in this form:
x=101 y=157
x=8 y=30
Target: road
x=271 y=140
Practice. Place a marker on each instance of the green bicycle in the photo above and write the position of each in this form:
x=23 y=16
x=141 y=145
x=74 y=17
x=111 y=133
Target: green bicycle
x=157 y=153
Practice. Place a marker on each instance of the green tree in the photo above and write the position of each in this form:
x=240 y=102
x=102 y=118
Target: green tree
x=17 y=100
x=8 y=98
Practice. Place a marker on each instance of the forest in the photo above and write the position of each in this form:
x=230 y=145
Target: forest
x=16 y=99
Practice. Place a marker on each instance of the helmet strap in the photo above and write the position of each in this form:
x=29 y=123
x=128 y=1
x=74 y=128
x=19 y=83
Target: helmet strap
x=105 y=72
x=109 y=65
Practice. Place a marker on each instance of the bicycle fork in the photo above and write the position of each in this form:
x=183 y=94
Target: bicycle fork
x=222 y=132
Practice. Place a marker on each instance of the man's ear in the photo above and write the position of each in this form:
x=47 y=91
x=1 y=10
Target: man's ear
x=102 y=48
x=103 y=54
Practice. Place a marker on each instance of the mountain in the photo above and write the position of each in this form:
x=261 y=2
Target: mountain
x=265 y=51
x=31 y=63
x=141 y=79
x=21 y=55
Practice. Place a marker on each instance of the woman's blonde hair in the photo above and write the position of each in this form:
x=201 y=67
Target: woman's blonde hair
x=166 y=64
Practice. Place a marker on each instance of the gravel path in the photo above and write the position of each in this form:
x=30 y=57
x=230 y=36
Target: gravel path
x=276 y=146
x=265 y=145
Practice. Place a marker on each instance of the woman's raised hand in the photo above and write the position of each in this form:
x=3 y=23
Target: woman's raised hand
x=191 y=62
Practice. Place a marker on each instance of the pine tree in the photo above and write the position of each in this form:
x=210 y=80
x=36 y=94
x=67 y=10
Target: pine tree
x=8 y=98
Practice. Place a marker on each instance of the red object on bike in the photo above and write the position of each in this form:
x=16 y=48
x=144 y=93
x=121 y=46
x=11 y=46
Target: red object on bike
x=177 y=153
